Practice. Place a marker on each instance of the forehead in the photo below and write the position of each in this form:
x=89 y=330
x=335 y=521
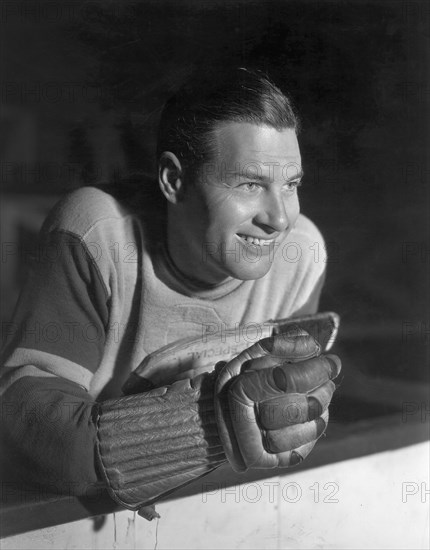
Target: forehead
x=246 y=143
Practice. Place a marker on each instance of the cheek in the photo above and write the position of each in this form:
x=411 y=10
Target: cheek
x=227 y=212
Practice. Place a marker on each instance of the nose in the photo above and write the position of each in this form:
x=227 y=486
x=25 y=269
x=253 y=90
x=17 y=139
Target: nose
x=273 y=215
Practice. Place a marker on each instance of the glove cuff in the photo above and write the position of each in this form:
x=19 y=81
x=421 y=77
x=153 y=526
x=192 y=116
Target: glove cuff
x=153 y=443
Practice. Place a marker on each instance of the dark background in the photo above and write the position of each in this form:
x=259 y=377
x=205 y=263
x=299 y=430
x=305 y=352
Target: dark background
x=82 y=88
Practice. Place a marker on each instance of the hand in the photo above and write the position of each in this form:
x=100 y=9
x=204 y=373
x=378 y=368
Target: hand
x=272 y=401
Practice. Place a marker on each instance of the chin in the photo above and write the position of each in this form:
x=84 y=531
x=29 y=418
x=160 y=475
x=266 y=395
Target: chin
x=249 y=272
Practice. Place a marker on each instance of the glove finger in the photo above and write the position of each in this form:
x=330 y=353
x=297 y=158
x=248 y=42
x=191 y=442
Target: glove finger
x=295 y=408
x=296 y=456
x=282 y=411
x=291 y=437
x=308 y=375
x=320 y=399
x=295 y=345
x=305 y=349
x=258 y=386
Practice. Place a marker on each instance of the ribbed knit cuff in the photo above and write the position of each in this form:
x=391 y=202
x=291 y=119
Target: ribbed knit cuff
x=153 y=443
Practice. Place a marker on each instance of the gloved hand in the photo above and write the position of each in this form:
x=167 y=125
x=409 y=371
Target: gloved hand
x=272 y=401
x=256 y=411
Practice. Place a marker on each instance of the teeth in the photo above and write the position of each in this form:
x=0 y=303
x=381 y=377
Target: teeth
x=254 y=240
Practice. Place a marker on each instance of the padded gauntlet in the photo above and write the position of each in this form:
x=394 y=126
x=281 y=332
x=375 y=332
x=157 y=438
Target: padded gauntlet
x=152 y=443
x=265 y=408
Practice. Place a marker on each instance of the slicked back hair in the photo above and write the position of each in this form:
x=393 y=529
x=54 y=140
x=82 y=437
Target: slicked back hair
x=191 y=116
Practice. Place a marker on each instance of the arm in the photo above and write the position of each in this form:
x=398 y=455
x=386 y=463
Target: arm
x=145 y=446
x=48 y=433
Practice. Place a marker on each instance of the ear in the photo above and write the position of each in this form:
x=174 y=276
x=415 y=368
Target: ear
x=170 y=176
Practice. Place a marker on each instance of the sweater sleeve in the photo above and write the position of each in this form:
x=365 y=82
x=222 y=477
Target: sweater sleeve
x=60 y=323
x=48 y=436
x=54 y=346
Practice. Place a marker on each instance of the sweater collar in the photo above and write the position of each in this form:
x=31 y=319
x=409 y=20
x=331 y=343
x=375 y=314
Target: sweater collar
x=175 y=279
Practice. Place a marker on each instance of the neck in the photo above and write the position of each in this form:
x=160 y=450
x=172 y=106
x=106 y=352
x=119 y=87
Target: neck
x=189 y=258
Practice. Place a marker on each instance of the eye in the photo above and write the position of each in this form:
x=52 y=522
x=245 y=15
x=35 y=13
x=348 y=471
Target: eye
x=249 y=186
x=291 y=185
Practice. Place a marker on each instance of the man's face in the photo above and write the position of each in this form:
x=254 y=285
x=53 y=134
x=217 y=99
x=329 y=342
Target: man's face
x=242 y=205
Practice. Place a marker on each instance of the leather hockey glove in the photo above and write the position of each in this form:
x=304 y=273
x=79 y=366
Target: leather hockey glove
x=263 y=409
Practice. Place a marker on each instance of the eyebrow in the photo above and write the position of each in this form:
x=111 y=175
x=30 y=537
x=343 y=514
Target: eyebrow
x=265 y=179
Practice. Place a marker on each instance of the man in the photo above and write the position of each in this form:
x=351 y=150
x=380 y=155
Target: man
x=115 y=281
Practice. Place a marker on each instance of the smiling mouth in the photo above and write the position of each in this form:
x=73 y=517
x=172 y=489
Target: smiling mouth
x=255 y=241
